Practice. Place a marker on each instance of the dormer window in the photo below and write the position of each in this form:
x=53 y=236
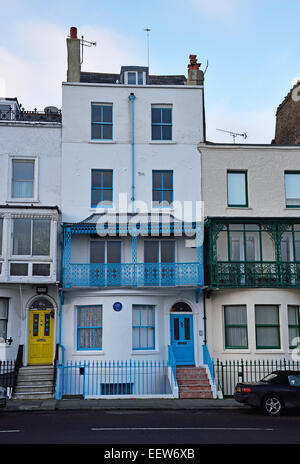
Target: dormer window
x=135 y=77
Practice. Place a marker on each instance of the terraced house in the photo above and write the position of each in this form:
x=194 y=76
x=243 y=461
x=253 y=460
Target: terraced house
x=30 y=154
x=132 y=272
x=252 y=251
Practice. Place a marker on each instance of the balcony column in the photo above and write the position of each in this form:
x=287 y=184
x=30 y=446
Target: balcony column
x=67 y=257
x=134 y=258
x=199 y=245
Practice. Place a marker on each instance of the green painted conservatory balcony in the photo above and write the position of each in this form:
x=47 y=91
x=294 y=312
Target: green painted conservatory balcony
x=253 y=253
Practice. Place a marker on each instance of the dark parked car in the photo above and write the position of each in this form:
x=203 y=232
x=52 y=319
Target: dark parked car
x=274 y=393
x=2 y=397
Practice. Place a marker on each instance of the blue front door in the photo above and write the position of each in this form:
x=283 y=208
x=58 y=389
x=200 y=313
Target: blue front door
x=182 y=338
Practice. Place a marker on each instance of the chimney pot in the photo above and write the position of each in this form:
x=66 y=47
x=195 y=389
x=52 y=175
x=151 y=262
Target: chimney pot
x=193 y=62
x=73 y=33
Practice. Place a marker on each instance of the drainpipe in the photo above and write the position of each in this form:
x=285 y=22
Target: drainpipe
x=132 y=98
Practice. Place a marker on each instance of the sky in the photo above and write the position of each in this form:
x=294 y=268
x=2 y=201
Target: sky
x=249 y=49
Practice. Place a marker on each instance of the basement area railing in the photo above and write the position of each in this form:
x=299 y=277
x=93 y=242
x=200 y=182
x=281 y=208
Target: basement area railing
x=98 y=379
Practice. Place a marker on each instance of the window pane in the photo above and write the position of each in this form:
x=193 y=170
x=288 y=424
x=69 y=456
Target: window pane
x=19 y=269
x=167 y=197
x=167 y=251
x=140 y=78
x=292 y=189
x=3 y=308
x=297 y=246
x=131 y=78
x=267 y=314
x=251 y=252
x=166 y=132
x=235 y=315
x=97 y=250
x=293 y=312
x=267 y=337
x=235 y=247
x=107 y=131
x=113 y=252
x=107 y=196
x=236 y=188
x=96 y=131
x=156 y=132
x=151 y=251
x=157 y=179
x=41 y=269
x=107 y=179
x=22 y=189
x=96 y=178
x=167 y=180
x=96 y=197
x=157 y=196
x=22 y=237
x=96 y=113
x=107 y=113
x=23 y=170
x=41 y=237
x=236 y=337
x=156 y=115
x=167 y=115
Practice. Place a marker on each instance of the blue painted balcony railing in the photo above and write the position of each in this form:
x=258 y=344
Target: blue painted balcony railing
x=133 y=275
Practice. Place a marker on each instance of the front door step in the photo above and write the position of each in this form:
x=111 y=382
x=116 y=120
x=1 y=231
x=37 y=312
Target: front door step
x=35 y=382
x=193 y=382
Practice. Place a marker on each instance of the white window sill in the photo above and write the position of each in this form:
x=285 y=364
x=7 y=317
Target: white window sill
x=162 y=142
x=144 y=352
x=88 y=353
x=102 y=141
x=242 y=208
x=23 y=200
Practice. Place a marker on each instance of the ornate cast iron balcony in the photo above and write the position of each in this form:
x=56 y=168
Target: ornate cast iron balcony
x=252 y=252
x=133 y=275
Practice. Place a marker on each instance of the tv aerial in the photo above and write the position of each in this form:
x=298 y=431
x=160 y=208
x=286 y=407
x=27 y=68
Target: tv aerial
x=234 y=134
x=85 y=43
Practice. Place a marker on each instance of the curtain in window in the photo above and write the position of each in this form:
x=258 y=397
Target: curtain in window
x=293 y=318
x=143 y=327
x=267 y=326
x=89 y=326
x=22 y=237
x=236 y=326
x=3 y=317
x=41 y=237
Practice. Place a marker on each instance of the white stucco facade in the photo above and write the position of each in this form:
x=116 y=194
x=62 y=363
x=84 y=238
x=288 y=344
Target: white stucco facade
x=80 y=155
x=265 y=167
x=23 y=272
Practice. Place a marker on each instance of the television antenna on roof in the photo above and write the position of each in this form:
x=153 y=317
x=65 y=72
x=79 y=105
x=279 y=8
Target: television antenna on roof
x=85 y=43
x=234 y=134
x=147 y=30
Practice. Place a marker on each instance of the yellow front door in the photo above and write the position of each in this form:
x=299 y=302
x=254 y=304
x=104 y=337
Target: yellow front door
x=40 y=344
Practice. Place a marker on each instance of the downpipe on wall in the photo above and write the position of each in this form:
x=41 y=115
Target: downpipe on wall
x=131 y=99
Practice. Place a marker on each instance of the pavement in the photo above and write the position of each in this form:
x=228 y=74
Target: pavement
x=125 y=404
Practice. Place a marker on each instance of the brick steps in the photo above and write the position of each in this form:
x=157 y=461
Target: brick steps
x=193 y=382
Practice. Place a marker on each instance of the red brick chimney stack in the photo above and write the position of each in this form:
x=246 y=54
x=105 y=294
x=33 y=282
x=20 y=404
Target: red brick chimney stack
x=195 y=75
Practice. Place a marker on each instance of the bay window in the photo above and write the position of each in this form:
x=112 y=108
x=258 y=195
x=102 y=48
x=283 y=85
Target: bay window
x=31 y=237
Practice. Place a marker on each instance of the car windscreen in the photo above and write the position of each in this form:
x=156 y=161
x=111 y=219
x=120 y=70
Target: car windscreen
x=294 y=380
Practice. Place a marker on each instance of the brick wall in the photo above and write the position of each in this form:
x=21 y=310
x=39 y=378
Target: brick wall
x=287 y=130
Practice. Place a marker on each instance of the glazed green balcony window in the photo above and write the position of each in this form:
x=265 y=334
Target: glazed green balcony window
x=236 y=334
x=294 y=325
x=267 y=326
x=237 y=194
x=292 y=189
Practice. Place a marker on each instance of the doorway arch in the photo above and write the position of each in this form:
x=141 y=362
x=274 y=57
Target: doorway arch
x=182 y=333
x=41 y=318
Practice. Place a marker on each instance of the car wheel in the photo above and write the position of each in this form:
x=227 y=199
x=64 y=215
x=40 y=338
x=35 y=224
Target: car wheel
x=273 y=405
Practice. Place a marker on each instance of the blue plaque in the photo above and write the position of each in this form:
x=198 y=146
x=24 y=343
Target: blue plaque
x=117 y=306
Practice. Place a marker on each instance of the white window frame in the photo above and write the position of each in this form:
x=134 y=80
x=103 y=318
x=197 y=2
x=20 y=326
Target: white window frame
x=10 y=197
x=136 y=77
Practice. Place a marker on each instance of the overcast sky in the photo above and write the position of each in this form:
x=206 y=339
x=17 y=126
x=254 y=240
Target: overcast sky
x=251 y=47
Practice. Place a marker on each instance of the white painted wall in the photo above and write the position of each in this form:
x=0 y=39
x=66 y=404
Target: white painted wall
x=80 y=154
x=265 y=166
